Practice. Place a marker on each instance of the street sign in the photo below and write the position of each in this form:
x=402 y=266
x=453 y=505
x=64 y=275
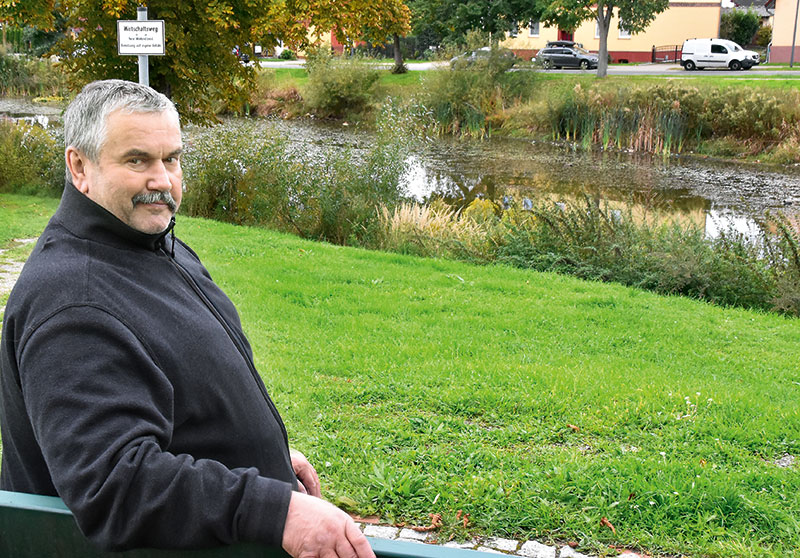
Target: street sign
x=140 y=37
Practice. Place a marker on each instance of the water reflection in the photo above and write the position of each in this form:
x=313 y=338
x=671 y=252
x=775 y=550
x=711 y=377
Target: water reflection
x=712 y=194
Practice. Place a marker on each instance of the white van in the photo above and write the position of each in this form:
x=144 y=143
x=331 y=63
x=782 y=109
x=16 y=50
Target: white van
x=717 y=53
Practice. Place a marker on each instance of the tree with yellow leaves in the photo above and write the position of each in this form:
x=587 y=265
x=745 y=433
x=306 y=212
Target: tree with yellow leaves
x=199 y=71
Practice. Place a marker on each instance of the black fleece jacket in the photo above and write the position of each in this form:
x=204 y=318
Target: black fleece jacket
x=127 y=388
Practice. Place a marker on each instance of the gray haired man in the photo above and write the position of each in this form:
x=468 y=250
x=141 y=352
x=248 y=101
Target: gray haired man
x=127 y=386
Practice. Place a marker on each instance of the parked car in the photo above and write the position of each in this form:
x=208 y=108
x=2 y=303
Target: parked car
x=716 y=53
x=469 y=58
x=570 y=44
x=242 y=56
x=558 y=56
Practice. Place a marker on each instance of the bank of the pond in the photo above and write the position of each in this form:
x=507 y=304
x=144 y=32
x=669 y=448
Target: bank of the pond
x=542 y=406
x=755 y=119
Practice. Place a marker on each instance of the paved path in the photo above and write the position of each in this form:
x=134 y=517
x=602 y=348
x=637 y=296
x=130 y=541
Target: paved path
x=510 y=547
x=672 y=70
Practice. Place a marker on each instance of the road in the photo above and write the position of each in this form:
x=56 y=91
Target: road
x=672 y=70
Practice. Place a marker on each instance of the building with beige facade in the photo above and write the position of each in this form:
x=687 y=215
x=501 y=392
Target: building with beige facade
x=682 y=20
x=784 y=30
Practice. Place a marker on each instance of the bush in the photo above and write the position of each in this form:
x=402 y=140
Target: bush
x=467 y=98
x=287 y=54
x=32 y=160
x=246 y=175
x=763 y=36
x=739 y=26
x=338 y=87
x=21 y=76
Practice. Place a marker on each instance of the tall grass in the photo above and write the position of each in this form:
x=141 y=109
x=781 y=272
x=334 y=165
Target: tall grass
x=466 y=98
x=591 y=240
x=246 y=174
x=662 y=118
x=22 y=76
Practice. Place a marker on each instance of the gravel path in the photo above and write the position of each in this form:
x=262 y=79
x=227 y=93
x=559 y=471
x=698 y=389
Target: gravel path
x=10 y=269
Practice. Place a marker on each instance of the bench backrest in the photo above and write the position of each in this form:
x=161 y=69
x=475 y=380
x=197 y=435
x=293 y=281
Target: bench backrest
x=33 y=526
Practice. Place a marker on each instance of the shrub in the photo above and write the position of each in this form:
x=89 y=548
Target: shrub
x=739 y=26
x=763 y=36
x=465 y=98
x=245 y=174
x=22 y=76
x=338 y=87
x=31 y=158
x=287 y=54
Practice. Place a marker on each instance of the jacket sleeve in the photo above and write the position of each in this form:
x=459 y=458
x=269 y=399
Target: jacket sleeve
x=102 y=413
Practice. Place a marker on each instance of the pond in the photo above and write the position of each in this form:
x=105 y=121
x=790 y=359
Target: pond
x=713 y=194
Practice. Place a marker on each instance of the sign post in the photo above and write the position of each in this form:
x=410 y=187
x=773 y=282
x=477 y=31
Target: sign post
x=142 y=38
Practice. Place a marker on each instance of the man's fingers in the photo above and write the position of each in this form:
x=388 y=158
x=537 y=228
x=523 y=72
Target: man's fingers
x=301 y=488
x=358 y=541
x=344 y=549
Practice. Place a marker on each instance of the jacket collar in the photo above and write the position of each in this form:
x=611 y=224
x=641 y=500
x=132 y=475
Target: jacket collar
x=86 y=219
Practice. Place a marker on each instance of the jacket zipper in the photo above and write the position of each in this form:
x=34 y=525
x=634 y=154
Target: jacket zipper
x=250 y=364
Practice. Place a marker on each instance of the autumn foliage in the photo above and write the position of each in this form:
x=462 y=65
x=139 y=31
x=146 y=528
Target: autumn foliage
x=199 y=71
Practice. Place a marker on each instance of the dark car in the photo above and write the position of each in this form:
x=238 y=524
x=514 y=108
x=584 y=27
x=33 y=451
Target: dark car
x=569 y=44
x=566 y=57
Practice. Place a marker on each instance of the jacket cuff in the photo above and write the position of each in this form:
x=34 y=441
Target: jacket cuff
x=264 y=509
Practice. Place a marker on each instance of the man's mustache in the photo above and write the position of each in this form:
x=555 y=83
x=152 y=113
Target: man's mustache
x=156 y=197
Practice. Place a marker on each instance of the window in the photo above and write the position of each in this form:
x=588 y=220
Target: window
x=514 y=30
x=623 y=33
x=533 y=28
x=718 y=49
x=596 y=30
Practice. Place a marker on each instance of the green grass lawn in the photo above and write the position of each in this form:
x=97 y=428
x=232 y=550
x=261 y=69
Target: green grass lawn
x=536 y=403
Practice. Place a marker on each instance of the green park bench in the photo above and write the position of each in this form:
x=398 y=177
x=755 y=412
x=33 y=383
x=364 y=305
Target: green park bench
x=33 y=526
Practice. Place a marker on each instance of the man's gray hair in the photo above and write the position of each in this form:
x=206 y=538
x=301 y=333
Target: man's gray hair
x=85 y=120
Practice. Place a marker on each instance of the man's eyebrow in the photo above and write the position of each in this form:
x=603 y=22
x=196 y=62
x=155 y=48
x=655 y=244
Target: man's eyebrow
x=135 y=153
x=144 y=154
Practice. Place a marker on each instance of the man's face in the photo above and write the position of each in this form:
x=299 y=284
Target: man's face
x=138 y=173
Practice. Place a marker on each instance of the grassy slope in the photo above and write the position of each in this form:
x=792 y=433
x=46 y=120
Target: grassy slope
x=422 y=386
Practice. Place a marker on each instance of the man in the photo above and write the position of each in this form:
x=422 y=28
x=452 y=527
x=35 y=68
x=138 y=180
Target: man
x=127 y=385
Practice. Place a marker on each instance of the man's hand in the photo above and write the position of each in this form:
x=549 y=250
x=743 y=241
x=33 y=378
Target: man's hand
x=318 y=529
x=306 y=474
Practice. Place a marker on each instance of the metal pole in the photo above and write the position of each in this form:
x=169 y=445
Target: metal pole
x=144 y=69
x=794 y=35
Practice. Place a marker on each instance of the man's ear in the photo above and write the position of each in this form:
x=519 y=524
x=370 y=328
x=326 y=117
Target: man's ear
x=77 y=163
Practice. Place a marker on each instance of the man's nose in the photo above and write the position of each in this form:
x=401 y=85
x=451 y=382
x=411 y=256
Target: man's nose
x=159 y=178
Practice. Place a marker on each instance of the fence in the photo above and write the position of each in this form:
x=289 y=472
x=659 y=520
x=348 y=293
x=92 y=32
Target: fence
x=663 y=54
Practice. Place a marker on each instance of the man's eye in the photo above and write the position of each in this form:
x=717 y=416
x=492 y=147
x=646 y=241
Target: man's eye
x=135 y=161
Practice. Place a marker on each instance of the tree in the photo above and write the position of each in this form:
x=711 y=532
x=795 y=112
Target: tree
x=199 y=71
x=635 y=15
x=452 y=20
x=739 y=26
